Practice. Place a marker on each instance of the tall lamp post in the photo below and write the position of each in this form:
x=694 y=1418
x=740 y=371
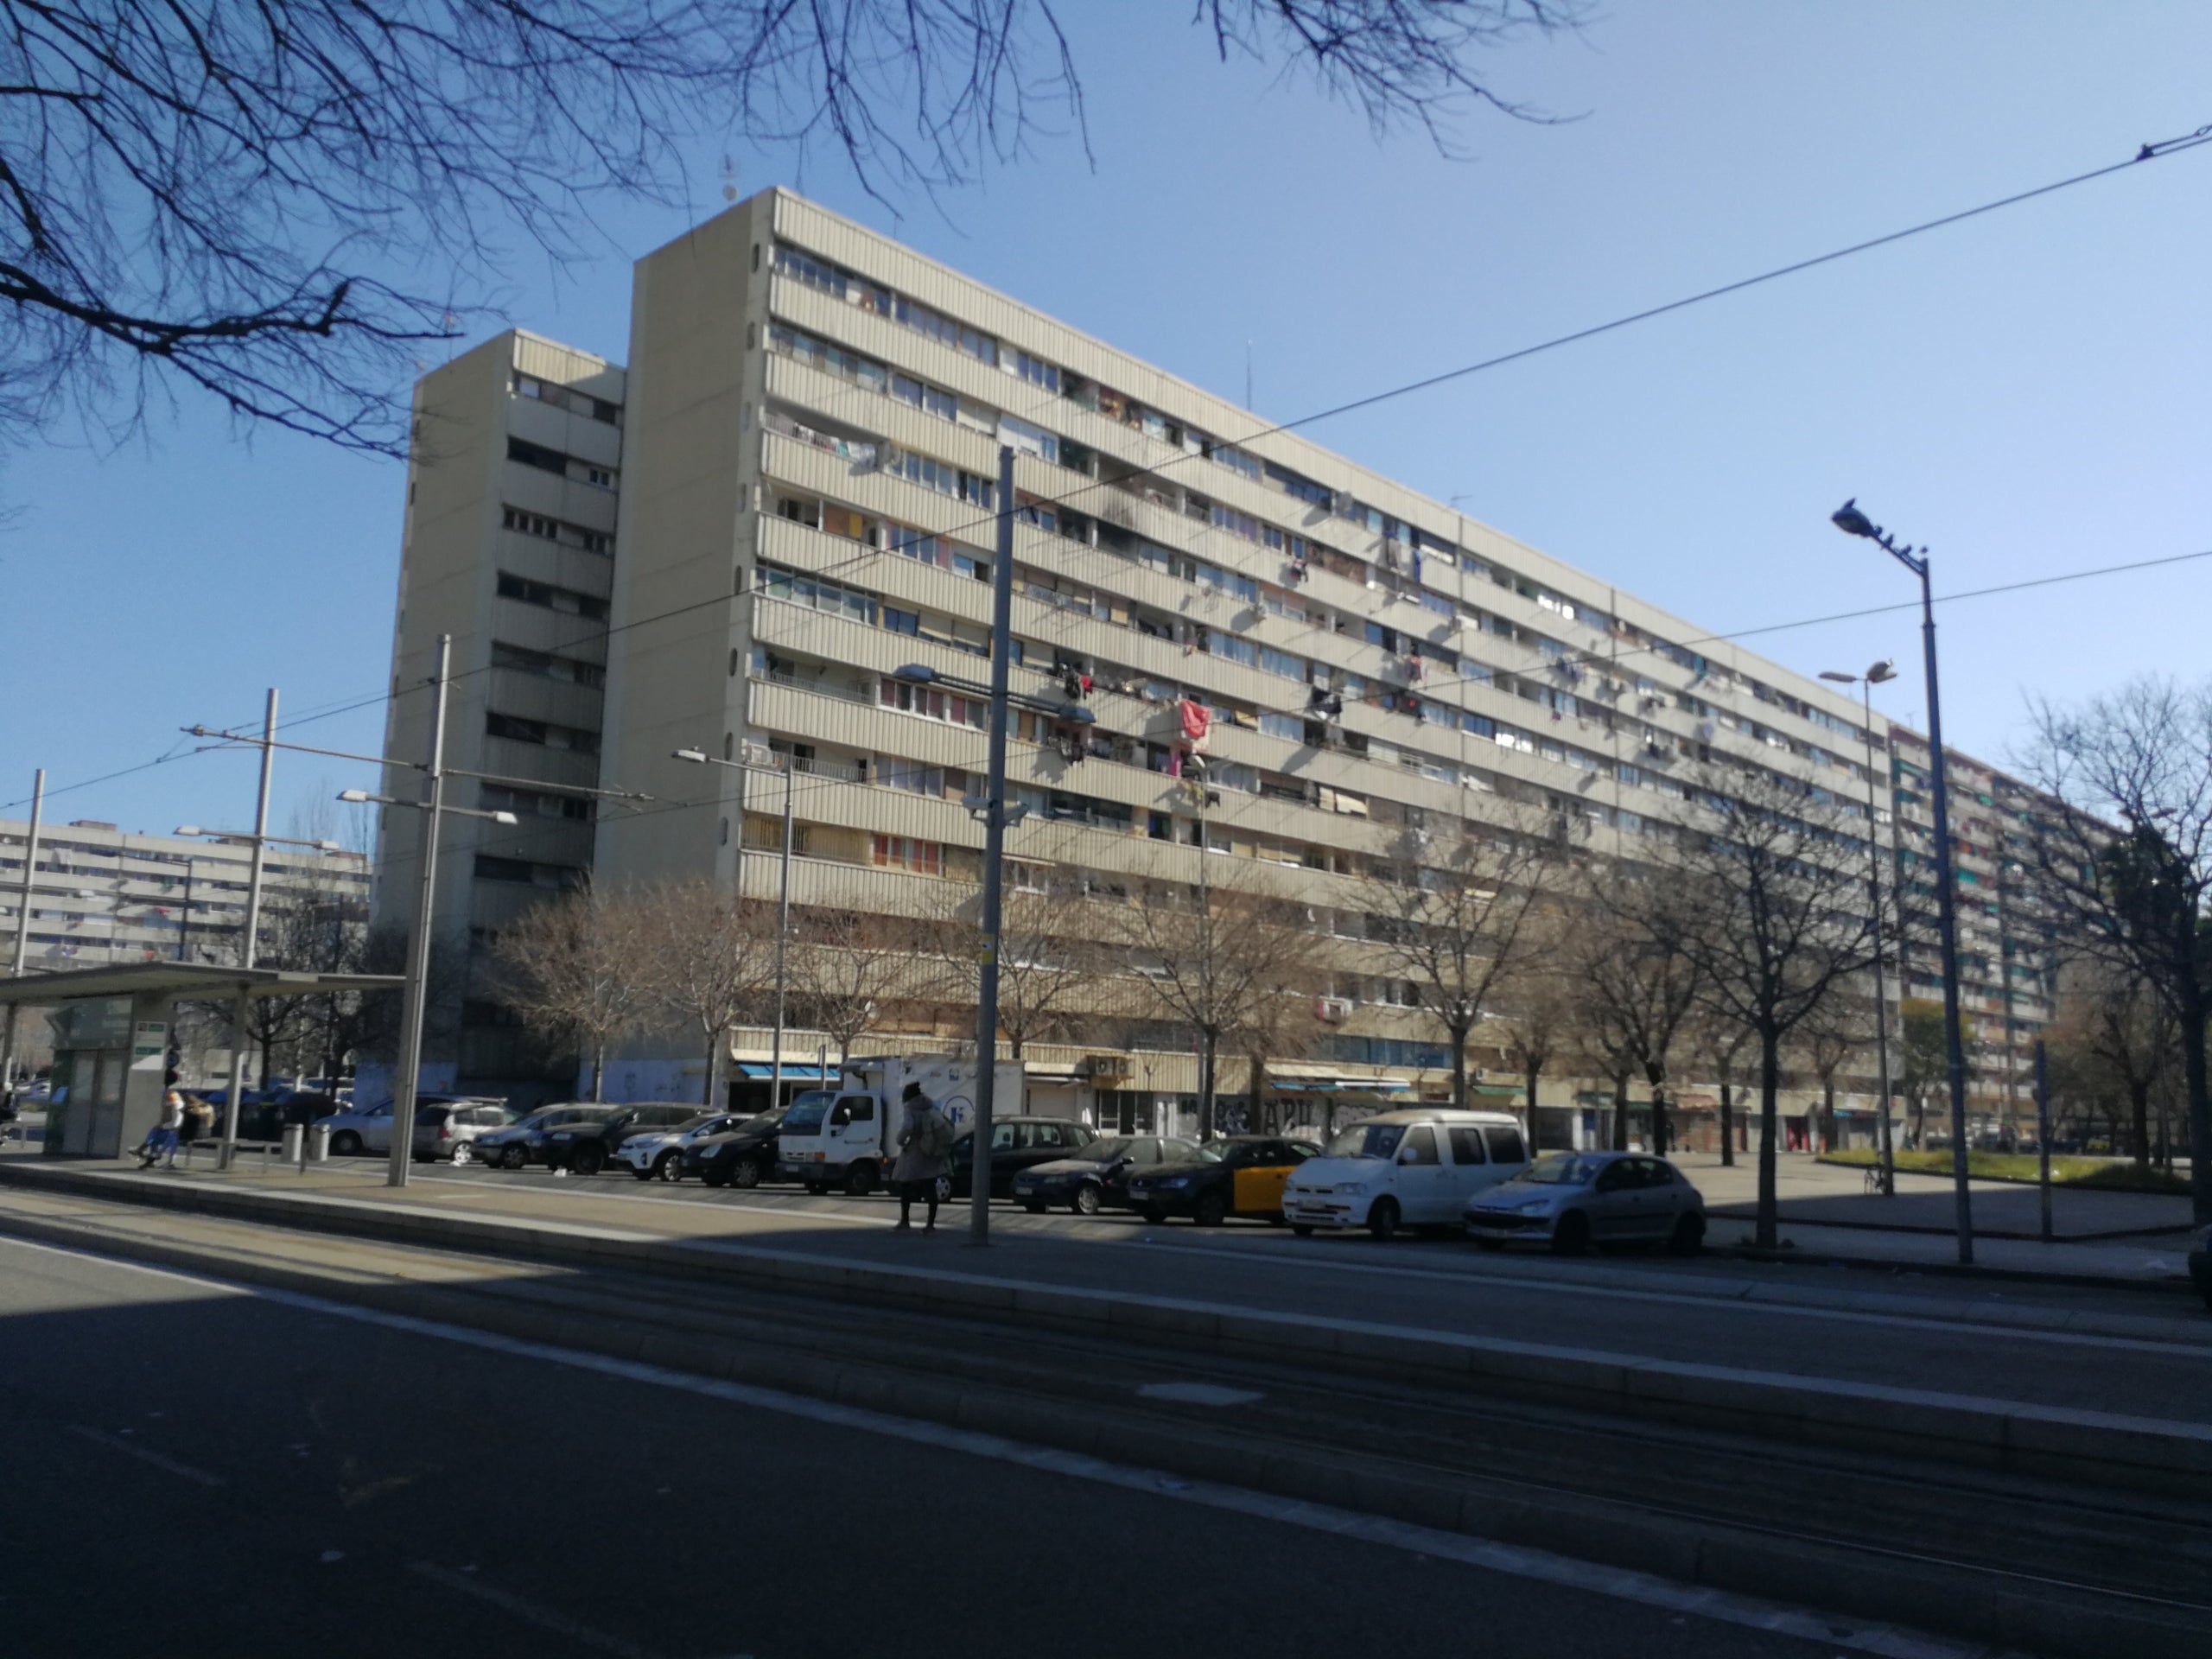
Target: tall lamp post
x=744 y=769
x=1851 y=521
x=1881 y=673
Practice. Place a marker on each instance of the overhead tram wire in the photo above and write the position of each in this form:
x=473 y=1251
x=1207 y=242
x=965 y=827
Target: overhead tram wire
x=2149 y=152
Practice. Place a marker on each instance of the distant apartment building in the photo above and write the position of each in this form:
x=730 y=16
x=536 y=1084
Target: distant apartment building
x=509 y=549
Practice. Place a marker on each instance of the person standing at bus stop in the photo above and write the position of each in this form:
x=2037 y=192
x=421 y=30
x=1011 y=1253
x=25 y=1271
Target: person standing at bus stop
x=924 y=1148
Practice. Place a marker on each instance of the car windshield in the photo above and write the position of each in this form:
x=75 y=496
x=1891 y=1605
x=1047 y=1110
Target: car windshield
x=697 y=1123
x=1104 y=1151
x=1368 y=1141
x=1562 y=1169
x=808 y=1110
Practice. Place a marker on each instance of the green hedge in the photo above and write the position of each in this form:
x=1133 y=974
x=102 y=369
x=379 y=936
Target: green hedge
x=2105 y=1173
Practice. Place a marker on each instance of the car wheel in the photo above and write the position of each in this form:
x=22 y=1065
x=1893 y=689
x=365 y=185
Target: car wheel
x=1688 y=1235
x=1034 y=1206
x=746 y=1173
x=859 y=1180
x=587 y=1160
x=346 y=1144
x=1302 y=1229
x=1085 y=1201
x=463 y=1154
x=1571 y=1234
x=670 y=1166
x=1155 y=1214
x=715 y=1175
x=1383 y=1219
x=945 y=1192
x=1210 y=1210
x=645 y=1175
x=513 y=1158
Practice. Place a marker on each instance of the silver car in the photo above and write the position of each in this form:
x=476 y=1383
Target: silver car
x=1571 y=1200
x=450 y=1131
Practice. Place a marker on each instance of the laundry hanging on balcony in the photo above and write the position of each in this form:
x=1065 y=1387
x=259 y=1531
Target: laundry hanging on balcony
x=1198 y=724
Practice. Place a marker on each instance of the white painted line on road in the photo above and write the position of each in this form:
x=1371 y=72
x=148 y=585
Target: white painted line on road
x=531 y=1613
x=144 y=1454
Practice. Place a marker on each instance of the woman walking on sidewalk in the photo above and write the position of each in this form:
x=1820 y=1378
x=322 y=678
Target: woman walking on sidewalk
x=923 y=1147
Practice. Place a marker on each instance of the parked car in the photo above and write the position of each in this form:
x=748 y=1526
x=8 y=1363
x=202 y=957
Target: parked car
x=1017 y=1143
x=1238 y=1175
x=368 y=1128
x=1098 y=1177
x=587 y=1149
x=2200 y=1263
x=743 y=1154
x=1571 y=1200
x=1414 y=1169
x=450 y=1132
x=523 y=1141
x=657 y=1155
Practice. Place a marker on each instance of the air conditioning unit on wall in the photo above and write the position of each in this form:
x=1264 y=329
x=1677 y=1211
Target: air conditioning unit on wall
x=1331 y=1010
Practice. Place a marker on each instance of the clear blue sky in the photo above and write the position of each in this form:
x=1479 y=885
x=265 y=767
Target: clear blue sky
x=2027 y=394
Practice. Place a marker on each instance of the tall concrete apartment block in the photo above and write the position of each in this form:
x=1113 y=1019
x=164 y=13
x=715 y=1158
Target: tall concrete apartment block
x=814 y=427
x=509 y=547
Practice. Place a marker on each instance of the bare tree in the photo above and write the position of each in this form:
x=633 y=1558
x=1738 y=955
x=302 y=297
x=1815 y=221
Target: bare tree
x=1049 y=962
x=1218 y=959
x=277 y=204
x=1463 y=917
x=2127 y=1030
x=1774 y=918
x=1637 y=988
x=709 y=960
x=1720 y=1044
x=578 y=969
x=2138 y=895
x=1540 y=1015
x=847 y=967
x=1841 y=1029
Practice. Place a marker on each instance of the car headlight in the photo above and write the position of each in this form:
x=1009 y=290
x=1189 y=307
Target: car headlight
x=1351 y=1189
x=1176 y=1180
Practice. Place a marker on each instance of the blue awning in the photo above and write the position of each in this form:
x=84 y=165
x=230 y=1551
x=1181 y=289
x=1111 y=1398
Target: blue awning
x=793 y=1071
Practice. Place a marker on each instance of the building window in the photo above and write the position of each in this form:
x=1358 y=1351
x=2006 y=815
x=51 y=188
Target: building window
x=532 y=454
x=553 y=599
x=903 y=852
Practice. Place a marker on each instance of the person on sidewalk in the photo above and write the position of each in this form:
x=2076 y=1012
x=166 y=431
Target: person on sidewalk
x=161 y=1139
x=924 y=1146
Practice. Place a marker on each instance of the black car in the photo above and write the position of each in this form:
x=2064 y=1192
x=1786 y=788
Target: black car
x=1098 y=1177
x=1235 y=1175
x=742 y=1155
x=586 y=1148
x=1017 y=1143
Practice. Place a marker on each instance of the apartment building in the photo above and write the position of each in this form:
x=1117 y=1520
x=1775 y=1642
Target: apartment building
x=2009 y=941
x=509 y=549
x=808 y=508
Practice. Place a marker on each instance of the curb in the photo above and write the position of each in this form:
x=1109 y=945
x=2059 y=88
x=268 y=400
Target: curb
x=1796 y=1256
x=2089 y=1448
x=2063 y=1622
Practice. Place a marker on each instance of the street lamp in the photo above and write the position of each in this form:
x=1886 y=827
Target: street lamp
x=1851 y=521
x=744 y=770
x=1880 y=674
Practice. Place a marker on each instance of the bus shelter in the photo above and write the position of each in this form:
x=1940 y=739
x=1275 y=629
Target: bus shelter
x=112 y=1031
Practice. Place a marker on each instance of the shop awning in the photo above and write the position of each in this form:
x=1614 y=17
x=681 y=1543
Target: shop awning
x=793 y=1071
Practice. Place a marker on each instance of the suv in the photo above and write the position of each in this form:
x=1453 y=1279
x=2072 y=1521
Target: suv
x=523 y=1142
x=587 y=1149
x=742 y=1155
x=451 y=1131
x=368 y=1128
x=1017 y=1143
x=657 y=1155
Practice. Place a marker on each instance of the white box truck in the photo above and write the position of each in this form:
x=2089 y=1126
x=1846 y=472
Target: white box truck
x=850 y=1139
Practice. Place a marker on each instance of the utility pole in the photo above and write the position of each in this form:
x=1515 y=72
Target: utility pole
x=416 y=991
x=241 y=1011
x=22 y=926
x=987 y=1003
x=783 y=946
x=2042 y=1135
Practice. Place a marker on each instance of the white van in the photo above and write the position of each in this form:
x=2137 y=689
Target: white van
x=1404 y=1169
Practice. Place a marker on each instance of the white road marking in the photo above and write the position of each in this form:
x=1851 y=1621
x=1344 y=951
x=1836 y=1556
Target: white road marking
x=144 y=1454
x=532 y=1612
x=1199 y=1394
x=1863 y=1635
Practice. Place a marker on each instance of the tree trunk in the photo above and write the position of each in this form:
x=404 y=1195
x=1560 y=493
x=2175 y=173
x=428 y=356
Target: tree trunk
x=1207 y=1043
x=1920 y=1120
x=1766 y=1234
x=599 y=1071
x=1727 y=1126
x=1828 y=1116
x=1620 y=1112
x=2200 y=1107
x=1528 y=1131
x=713 y=1071
x=1459 y=1035
x=2138 y=1111
x=1660 y=1128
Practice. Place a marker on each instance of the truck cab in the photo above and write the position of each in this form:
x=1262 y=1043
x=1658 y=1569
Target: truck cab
x=848 y=1137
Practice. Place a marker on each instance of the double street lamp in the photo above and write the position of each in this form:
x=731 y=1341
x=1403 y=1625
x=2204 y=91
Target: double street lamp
x=1880 y=674
x=1851 y=521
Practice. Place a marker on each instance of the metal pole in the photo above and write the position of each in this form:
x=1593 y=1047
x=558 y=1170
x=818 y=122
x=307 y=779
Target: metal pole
x=1886 y=1155
x=2043 y=1136
x=241 y=1011
x=1947 y=924
x=987 y=1000
x=22 y=926
x=417 y=990
x=783 y=943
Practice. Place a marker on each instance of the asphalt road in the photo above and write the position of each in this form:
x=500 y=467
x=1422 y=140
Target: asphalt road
x=191 y=1470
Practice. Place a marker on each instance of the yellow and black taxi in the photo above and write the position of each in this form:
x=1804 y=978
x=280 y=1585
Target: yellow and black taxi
x=1235 y=1175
